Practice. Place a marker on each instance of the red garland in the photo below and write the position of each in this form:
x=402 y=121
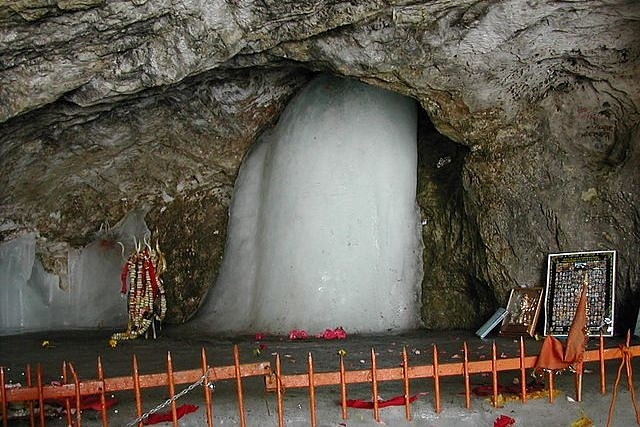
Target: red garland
x=123 y=278
x=152 y=274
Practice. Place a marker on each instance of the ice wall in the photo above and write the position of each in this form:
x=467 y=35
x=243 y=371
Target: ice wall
x=33 y=300
x=324 y=228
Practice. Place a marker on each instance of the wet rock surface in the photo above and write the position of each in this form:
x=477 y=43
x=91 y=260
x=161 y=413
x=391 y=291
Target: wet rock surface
x=530 y=141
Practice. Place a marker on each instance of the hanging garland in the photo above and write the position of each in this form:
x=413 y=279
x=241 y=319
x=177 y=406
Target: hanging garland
x=146 y=302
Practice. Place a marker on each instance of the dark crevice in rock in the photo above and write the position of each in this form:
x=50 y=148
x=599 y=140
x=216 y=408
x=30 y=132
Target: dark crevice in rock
x=453 y=279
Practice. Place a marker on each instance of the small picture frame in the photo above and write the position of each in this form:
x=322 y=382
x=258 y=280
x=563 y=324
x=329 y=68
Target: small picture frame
x=523 y=311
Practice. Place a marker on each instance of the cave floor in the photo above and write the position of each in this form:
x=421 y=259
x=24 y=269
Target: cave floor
x=82 y=348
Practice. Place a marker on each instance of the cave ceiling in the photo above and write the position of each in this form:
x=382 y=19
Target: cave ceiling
x=109 y=106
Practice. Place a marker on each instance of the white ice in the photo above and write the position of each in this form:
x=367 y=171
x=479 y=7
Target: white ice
x=32 y=299
x=324 y=226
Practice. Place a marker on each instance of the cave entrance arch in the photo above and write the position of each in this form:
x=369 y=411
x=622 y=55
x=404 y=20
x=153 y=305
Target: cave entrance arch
x=324 y=228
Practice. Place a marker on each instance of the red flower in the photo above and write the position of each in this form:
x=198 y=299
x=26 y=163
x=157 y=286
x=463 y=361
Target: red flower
x=333 y=334
x=298 y=334
x=504 y=421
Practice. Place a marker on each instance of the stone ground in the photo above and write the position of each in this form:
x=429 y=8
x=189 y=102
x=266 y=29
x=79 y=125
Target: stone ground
x=83 y=347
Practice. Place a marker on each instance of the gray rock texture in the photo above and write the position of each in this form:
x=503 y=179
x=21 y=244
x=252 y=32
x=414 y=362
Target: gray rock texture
x=529 y=142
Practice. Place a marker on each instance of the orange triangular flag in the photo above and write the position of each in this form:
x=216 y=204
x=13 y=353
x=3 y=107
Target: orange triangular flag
x=577 y=339
x=553 y=354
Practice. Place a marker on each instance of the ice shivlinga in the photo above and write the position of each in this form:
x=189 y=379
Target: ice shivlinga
x=324 y=228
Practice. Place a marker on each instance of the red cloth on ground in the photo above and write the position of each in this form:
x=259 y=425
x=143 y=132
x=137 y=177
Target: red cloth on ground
x=87 y=402
x=93 y=402
x=394 y=401
x=167 y=416
x=504 y=421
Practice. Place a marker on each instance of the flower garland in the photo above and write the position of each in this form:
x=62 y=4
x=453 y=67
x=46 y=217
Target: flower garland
x=146 y=300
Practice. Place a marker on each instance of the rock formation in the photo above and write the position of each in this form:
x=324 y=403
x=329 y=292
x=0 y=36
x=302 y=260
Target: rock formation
x=528 y=139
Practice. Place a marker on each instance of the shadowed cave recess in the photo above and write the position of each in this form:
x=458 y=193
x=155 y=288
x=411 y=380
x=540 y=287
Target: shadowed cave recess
x=526 y=144
x=344 y=226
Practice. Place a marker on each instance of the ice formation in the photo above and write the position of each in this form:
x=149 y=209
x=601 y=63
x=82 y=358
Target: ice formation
x=324 y=228
x=32 y=299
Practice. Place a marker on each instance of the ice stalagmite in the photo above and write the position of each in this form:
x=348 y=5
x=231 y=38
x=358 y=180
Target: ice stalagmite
x=32 y=299
x=324 y=228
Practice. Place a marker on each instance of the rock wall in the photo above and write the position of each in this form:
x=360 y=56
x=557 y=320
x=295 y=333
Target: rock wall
x=532 y=112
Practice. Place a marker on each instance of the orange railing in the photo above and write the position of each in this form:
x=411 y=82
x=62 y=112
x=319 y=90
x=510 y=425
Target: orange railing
x=72 y=392
x=280 y=381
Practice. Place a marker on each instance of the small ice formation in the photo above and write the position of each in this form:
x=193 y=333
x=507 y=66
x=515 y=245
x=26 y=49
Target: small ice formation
x=324 y=229
x=31 y=299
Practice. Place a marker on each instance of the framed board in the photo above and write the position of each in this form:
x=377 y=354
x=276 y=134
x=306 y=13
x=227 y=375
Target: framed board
x=566 y=272
x=523 y=311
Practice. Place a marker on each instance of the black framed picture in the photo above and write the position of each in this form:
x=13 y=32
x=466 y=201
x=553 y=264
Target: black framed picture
x=566 y=273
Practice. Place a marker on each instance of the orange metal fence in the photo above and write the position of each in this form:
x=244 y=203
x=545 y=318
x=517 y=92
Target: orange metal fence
x=72 y=392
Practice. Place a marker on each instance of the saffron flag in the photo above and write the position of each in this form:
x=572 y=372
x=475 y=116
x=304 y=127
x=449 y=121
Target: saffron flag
x=553 y=354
